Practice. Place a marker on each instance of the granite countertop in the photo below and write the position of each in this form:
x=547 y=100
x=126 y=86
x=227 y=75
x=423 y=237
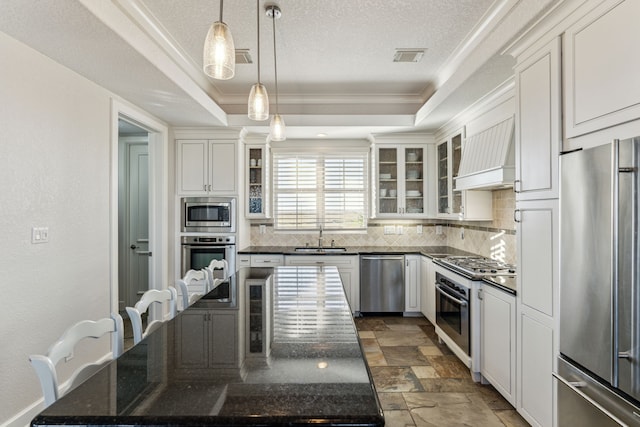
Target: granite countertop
x=430 y=251
x=287 y=353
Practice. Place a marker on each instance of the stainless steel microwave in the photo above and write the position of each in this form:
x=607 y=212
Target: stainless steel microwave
x=209 y=214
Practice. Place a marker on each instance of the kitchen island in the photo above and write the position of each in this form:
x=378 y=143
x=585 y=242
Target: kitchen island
x=284 y=352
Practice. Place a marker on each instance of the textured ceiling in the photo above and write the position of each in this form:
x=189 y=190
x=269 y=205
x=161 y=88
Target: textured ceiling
x=335 y=67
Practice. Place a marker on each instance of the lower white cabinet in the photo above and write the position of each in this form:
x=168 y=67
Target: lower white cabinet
x=243 y=260
x=348 y=267
x=498 y=343
x=203 y=341
x=428 y=289
x=412 y=283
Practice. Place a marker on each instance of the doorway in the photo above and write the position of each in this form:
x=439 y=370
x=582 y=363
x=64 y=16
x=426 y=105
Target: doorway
x=154 y=166
x=133 y=213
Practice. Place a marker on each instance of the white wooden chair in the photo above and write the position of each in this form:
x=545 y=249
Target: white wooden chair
x=217 y=264
x=45 y=365
x=169 y=296
x=193 y=285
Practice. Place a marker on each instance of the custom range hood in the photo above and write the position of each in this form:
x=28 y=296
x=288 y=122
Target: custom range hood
x=488 y=159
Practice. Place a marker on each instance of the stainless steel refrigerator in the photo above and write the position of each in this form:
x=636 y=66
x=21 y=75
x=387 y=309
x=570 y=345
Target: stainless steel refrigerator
x=599 y=365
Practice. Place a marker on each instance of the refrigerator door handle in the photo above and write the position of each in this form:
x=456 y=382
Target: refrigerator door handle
x=615 y=198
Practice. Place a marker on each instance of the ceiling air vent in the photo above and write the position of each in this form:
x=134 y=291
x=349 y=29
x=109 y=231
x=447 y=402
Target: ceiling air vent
x=408 y=55
x=243 y=56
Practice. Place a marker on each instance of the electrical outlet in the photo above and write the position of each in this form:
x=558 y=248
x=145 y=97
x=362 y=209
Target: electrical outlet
x=438 y=230
x=39 y=234
x=419 y=229
x=399 y=229
x=263 y=229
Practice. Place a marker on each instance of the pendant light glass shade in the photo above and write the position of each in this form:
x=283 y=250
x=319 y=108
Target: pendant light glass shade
x=258 y=102
x=278 y=128
x=219 y=55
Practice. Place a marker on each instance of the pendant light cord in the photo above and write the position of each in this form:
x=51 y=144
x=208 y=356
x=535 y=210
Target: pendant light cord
x=258 y=27
x=275 y=60
x=221 y=4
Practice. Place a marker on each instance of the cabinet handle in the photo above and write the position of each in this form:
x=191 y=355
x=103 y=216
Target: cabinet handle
x=204 y=187
x=480 y=294
x=515 y=186
x=515 y=215
x=209 y=187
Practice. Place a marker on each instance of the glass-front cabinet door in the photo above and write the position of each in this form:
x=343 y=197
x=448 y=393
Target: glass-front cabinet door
x=400 y=181
x=256 y=181
x=449 y=153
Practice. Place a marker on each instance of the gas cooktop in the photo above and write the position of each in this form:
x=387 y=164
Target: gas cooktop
x=476 y=267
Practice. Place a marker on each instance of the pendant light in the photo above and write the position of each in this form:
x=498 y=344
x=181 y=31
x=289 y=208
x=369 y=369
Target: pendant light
x=258 y=104
x=219 y=54
x=277 y=123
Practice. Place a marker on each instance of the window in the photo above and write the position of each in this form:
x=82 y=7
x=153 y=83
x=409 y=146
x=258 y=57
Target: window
x=320 y=189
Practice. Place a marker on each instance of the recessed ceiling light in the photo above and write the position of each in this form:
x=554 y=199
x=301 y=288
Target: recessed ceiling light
x=243 y=56
x=408 y=55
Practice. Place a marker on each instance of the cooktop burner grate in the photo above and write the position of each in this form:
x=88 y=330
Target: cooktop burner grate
x=477 y=267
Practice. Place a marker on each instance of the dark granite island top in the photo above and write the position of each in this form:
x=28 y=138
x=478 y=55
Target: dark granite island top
x=286 y=352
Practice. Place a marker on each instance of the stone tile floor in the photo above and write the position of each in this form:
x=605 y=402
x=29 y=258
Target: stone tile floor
x=421 y=383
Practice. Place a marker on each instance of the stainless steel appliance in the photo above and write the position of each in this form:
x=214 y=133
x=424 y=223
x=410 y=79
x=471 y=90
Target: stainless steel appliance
x=458 y=280
x=209 y=214
x=382 y=283
x=198 y=251
x=599 y=366
x=452 y=311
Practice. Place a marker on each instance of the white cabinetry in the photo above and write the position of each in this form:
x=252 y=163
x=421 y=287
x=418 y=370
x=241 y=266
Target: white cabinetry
x=412 y=283
x=256 y=181
x=348 y=267
x=467 y=204
x=243 y=260
x=538 y=127
x=537 y=229
x=401 y=180
x=601 y=68
x=498 y=344
x=428 y=289
x=267 y=260
x=206 y=167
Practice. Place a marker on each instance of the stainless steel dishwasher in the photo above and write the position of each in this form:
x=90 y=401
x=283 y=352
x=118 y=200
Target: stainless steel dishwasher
x=381 y=283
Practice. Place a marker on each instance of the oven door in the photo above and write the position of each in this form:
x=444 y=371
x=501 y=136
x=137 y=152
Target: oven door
x=452 y=316
x=197 y=257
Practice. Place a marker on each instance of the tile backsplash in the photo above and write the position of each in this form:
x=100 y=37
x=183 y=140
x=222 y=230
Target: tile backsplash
x=495 y=239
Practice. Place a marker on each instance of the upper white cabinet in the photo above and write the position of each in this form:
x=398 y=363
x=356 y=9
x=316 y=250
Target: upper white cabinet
x=206 y=167
x=401 y=180
x=467 y=204
x=538 y=126
x=601 y=64
x=256 y=181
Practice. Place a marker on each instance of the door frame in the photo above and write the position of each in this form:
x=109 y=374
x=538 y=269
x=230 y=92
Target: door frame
x=158 y=195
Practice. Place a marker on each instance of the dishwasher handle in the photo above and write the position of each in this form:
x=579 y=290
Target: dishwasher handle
x=384 y=257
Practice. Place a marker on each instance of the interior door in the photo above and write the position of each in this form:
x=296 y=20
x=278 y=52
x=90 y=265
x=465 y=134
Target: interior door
x=138 y=222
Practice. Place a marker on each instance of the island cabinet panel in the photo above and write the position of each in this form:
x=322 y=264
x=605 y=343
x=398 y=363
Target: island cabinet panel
x=601 y=68
x=538 y=125
x=203 y=340
x=498 y=345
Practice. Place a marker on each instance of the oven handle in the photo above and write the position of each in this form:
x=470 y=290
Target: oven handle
x=446 y=294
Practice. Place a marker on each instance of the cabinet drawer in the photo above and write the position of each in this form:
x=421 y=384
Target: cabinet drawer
x=266 y=260
x=340 y=261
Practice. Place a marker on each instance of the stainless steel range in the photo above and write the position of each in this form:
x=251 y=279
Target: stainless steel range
x=458 y=279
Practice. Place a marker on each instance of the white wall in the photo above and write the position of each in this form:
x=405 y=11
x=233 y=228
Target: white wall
x=54 y=172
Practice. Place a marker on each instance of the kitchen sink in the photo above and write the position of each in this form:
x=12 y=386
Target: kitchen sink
x=315 y=250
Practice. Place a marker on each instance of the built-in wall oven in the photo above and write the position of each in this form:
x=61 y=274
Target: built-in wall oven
x=199 y=251
x=208 y=214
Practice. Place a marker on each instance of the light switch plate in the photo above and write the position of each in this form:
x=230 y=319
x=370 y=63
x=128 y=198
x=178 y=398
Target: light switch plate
x=263 y=229
x=438 y=230
x=399 y=229
x=419 y=229
x=39 y=234
x=389 y=229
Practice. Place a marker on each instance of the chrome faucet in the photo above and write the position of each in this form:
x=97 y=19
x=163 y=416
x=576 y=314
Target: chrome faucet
x=320 y=238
